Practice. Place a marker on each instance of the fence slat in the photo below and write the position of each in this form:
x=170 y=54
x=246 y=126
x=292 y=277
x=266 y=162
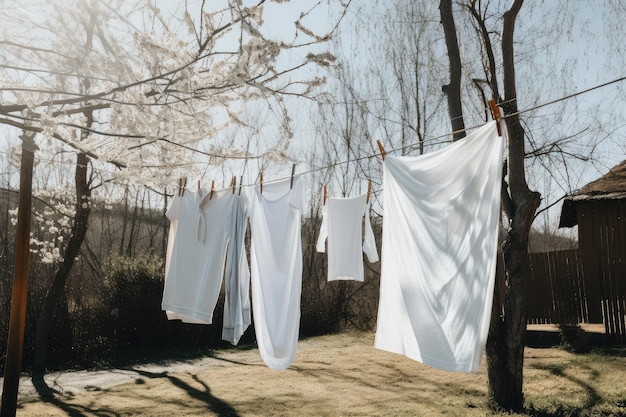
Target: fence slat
x=585 y=285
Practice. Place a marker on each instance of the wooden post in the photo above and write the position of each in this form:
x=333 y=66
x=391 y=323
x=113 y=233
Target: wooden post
x=15 y=345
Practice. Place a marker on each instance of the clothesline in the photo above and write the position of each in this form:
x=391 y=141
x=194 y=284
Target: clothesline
x=428 y=142
x=432 y=308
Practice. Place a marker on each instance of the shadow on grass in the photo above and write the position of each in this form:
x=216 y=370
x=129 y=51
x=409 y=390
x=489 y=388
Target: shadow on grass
x=219 y=407
x=593 y=397
x=61 y=400
x=58 y=399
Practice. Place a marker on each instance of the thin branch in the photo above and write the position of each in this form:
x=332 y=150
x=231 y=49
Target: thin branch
x=223 y=28
x=549 y=207
x=28 y=128
x=34 y=49
x=45 y=71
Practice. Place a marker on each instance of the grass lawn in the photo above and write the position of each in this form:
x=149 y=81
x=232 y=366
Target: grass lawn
x=338 y=375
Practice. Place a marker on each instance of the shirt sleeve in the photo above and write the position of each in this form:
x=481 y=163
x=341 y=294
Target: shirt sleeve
x=173 y=210
x=369 y=243
x=321 y=240
x=300 y=185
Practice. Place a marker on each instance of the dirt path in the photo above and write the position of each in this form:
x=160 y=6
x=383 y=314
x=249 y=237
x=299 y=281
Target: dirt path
x=340 y=375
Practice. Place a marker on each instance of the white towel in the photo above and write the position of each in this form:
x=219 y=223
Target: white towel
x=440 y=231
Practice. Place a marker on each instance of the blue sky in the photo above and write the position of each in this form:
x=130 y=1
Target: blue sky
x=586 y=53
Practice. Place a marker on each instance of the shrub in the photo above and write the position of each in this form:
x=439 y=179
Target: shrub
x=131 y=303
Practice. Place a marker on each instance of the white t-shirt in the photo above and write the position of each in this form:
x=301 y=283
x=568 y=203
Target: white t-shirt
x=342 y=224
x=276 y=264
x=171 y=236
x=440 y=232
x=237 y=278
x=195 y=268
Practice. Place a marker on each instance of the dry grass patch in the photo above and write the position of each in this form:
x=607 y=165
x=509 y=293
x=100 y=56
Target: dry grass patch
x=339 y=375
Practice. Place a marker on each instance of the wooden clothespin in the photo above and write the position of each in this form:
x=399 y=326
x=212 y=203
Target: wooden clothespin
x=240 y=184
x=212 y=188
x=182 y=183
x=261 y=181
x=325 y=195
x=382 y=150
x=495 y=113
x=293 y=171
x=234 y=184
x=369 y=190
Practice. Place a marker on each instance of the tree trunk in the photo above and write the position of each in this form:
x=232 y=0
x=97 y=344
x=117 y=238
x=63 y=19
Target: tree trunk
x=505 y=344
x=165 y=225
x=135 y=224
x=79 y=229
x=124 y=222
x=452 y=90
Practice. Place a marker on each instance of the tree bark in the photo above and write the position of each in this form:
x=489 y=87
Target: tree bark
x=135 y=224
x=72 y=250
x=15 y=339
x=79 y=230
x=505 y=344
x=452 y=90
x=124 y=222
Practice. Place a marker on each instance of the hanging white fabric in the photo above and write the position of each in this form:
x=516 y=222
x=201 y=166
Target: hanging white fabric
x=342 y=224
x=276 y=266
x=196 y=253
x=237 y=276
x=440 y=231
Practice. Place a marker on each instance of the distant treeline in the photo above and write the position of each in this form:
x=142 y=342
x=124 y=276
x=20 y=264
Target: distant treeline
x=111 y=310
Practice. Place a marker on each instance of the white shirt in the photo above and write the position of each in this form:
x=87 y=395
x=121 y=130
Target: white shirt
x=276 y=264
x=440 y=231
x=342 y=224
x=195 y=268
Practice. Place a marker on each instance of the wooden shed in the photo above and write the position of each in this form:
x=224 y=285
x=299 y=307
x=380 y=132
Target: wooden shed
x=599 y=210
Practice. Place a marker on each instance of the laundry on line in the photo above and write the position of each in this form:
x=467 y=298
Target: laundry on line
x=440 y=226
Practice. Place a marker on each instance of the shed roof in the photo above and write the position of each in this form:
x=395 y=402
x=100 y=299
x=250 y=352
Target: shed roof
x=611 y=186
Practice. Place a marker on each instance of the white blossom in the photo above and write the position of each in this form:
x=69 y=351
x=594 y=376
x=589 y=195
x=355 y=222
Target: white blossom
x=156 y=94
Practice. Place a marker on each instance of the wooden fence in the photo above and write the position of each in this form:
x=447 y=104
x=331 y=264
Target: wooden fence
x=576 y=286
